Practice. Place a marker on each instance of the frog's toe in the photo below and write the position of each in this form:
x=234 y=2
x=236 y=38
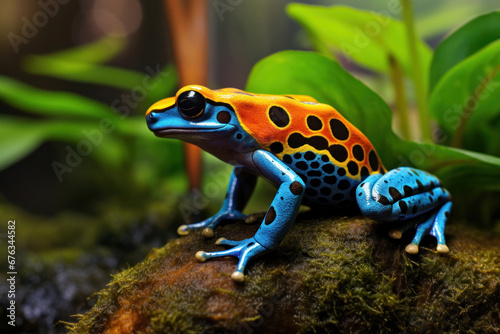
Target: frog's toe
x=207 y=232
x=201 y=256
x=250 y=219
x=395 y=234
x=244 y=250
x=186 y=229
x=412 y=248
x=441 y=248
x=238 y=276
x=183 y=230
x=225 y=242
x=218 y=242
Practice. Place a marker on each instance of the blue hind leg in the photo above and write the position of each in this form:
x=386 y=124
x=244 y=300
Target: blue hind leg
x=433 y=225
x=411 y=196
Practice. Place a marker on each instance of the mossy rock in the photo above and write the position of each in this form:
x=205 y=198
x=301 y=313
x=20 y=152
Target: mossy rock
x=328 y=275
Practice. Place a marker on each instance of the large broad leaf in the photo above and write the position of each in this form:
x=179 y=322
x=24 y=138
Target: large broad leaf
x=366 y=37
x=466 y=102
x=463 y=43
x=44 y=102
x=295 y=72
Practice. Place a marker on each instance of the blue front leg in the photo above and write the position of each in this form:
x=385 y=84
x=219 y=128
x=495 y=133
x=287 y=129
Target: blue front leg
x=278 y=220
x=410 y=195
x=241 y=186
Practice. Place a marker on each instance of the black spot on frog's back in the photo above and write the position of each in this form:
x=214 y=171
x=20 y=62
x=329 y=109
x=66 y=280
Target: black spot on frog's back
x=358 y=152
x=279 y=116
x=339 y=129
x=297 y=140
x=276 y=147
x=314 y=123
x=338 y=152
x=373 y=160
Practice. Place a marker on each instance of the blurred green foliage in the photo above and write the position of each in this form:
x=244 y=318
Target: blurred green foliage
x=121 y=144
x=465 y=85
x=365 y=37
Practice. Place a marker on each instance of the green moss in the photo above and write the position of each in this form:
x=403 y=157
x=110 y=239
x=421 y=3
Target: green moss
x=328 y=275
x=344 y=287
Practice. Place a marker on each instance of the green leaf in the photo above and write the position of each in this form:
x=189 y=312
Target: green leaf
x=134 y=127
x=459 y=170
x=157 y=82
x=96 y=52
x=443 y=17
x=20 y=136
x=50 y=103
x=17 y=140
x=464 y=42
x=366 y=37
x=83 y=72
x=307 y=73
x=465 y=101
x=296 y=72
x=164 y=84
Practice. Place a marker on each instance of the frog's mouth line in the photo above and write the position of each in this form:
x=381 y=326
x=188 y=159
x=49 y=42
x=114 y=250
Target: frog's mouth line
x=189 y=131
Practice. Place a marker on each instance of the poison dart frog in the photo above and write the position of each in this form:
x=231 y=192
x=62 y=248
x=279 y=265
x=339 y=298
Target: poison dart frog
x=313 y=155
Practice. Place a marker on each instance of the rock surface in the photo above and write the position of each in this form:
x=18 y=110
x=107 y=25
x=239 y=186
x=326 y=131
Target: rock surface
x=328 y=275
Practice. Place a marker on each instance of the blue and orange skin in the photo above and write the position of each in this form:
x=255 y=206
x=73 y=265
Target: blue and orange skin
x=313 y=155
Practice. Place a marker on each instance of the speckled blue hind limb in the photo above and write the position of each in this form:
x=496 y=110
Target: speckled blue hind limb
x=407 y=195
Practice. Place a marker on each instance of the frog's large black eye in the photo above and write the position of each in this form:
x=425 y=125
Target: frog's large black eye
x=191 y=104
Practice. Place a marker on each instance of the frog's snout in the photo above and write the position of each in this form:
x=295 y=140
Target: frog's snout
x=152 y=118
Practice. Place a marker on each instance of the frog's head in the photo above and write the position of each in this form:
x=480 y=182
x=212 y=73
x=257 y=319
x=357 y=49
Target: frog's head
x=191 y=115
x=200 y=116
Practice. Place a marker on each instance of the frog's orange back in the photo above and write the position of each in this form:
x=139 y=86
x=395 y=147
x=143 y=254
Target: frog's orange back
x=287 y=124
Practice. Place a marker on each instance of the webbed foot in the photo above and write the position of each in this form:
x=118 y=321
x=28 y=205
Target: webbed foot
x=433 y=224
x=244 y=250
x=207 y=226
